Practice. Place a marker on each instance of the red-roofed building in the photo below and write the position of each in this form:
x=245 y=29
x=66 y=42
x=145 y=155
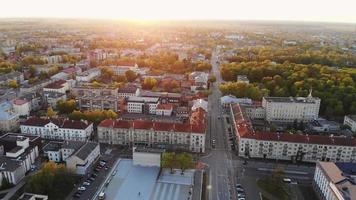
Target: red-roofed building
x=153 y=134
x=286 y=146
x=21 y=107
x=164 y=109
x=60 y=86
x=57 y=128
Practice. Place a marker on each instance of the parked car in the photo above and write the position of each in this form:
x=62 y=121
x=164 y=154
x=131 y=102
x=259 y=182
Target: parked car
x=86 y=183
x=92 y=178
x=82 y=188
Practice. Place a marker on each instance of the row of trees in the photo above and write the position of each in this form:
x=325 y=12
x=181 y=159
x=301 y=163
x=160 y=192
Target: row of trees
x=336 y=88
x=172 y=160
x=95 y=116
x=296 y=54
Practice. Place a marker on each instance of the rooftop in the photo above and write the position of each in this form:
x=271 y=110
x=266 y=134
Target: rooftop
x=353 y=117
x=60 y=122
x=291 y=99
x=56 y=85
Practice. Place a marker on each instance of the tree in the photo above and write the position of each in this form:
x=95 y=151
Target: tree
x=212 y=79
x=13 y=84
x=50 y=112
x=185 y=161
x=52 y=179
x=169 y=161
x=130 y=75
x=66 y=107
x=149 y=83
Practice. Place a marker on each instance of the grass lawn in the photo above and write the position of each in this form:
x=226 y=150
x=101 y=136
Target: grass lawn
x=276 y=189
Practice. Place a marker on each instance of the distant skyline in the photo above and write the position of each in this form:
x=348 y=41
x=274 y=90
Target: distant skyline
x=301 y=10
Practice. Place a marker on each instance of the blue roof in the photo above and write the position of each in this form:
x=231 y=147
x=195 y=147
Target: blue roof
x=5 y=111
x=348 y=168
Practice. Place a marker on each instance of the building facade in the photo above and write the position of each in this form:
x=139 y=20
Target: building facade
x=57 y=129
x=142 y=105
x=350 y=120
x=153 y=134
x=285 y=146
x=289 y=109
x=334 y=181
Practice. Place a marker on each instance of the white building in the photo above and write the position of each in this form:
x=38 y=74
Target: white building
x=81 y=160
x=153 y=134
x=243 y=79
x=142 y=104
x=288 y=109
x=335 y=181
x=60 y=86
x=20 y=154
x=60 y=129
x=129 y=91
x=147 y=157
x=53 y=59
x=121 y=70
x=9 y=119
x=88 y=75
x=350 y=120
x=21 y=107
x=164 y=109
x=285 y=146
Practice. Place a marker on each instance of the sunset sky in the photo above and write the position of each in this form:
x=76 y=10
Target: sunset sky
x=300 y=10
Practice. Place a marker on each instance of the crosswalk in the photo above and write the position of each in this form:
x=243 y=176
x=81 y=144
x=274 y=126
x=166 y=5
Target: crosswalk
x=164 y=191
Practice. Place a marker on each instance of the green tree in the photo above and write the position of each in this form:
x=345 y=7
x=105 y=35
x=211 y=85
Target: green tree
x=168 y=161
x=185 y=161
x=149 y=83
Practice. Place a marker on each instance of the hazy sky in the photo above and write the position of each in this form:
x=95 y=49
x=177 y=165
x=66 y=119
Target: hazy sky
x=301 y=10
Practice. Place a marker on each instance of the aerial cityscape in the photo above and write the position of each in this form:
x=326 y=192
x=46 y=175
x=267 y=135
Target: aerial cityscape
x=172 y=107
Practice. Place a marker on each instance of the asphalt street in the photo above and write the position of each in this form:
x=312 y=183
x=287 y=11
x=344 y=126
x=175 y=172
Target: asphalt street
x=225 y=168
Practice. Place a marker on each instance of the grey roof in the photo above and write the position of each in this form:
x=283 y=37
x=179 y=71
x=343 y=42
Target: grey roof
x=75 y=145
x=291 y=99
x=353 y=117
x=53 y=146
x=86 y=149
x=9 y=164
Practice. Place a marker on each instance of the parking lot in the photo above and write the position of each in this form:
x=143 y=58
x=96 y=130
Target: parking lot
x=87 y=186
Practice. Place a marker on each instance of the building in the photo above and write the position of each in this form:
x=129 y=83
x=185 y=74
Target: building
x=9 y=119
x=335 y=181
x=121 y=70
x=227 y=100
x=22 y=107
x=60 y=86
x=31 y=196
x=102 y=98
x=15 y=75
x=57 y=128
x=164 y=109
x=51 y=98
x=153 y=134
x=19 y=154
x=200 y=81
x=289 y=109
x=88 y=75
x=147 y=157
x=53 y=59
x=350 y=120
x=164 y=97
x=243 y=79
x=142 y=104
x=285 y=146
x=322 y=125
x=81 y=160
x=129 y=91
x=77 y=154
x=200 y=103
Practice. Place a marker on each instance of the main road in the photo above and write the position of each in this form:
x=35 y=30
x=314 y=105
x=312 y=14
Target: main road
x=220 y=171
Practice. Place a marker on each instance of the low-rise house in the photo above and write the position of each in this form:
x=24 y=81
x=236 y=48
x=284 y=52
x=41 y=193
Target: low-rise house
x=164 y=109
x=22 y=107
x=20 y=153
x=33 y=88
x=200 y=81
x=129 y=91
x=350 y=120
x=88 y=75
x=243 y=79
x=200 y=103
x=57 y=128
x=81 y=160
x=60 y=86
x=322 y=125
x=9 y=119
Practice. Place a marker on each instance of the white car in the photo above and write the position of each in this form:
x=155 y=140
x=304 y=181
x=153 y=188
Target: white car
x=81 y=188
x=86 y=183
